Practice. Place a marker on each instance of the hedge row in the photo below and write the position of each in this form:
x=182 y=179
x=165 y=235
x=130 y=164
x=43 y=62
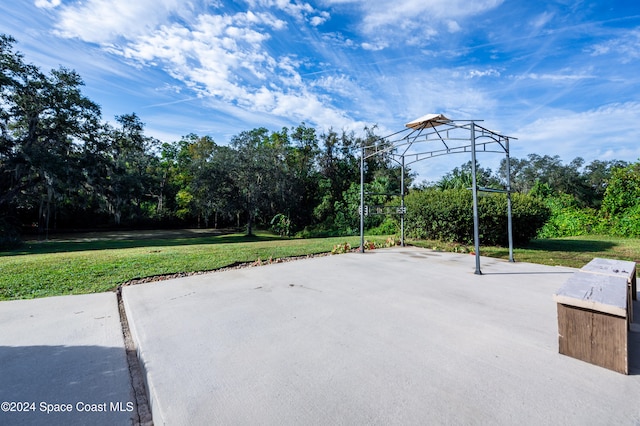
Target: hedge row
x=447 y=215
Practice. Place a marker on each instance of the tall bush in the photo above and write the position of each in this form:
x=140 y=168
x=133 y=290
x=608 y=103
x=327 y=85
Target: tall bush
x=623 y=191
x=626 y=225
x=447 y=215
x=568 y=218
x=621 y=203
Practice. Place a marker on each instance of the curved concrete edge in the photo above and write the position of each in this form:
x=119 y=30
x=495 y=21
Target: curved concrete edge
x=137 y=334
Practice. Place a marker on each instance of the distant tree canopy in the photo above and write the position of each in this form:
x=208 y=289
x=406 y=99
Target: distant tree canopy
x=62 y=167
x=545 y=173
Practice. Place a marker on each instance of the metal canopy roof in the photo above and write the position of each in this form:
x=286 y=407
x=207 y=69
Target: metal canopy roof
x=442 y=136
x=428 y=120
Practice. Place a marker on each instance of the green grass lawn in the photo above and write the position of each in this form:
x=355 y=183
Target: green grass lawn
x=77 y=266
x=571 y=251
x=60 y=268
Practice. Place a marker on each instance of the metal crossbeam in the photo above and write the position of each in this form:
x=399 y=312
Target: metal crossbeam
x=383 y=210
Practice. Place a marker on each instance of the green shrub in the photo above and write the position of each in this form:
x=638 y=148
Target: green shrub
x=623 y=191
x=626 y=225
x=621 y=204
x=441 y=215
x=390 y=226
x=571 y=221
x=448 y=216
x=281 y=225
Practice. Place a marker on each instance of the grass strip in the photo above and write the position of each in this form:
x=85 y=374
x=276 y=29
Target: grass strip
x=574 y=252
x=26 y=276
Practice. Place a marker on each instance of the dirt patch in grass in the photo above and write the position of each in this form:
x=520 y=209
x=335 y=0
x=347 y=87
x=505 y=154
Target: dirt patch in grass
x=226 y=268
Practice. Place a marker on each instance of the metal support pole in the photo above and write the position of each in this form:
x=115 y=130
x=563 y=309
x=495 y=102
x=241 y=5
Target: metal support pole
x=402 y=205
x=476 y=231
x=362 y=199
x=509 y=215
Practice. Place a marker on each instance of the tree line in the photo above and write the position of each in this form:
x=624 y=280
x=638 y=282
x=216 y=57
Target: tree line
x=63 y=167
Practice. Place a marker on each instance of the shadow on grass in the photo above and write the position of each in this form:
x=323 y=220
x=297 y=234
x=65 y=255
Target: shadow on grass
x=571 y=246
x=46 y=247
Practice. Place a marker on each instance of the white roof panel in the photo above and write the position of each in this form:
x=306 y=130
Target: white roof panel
x=429 y=120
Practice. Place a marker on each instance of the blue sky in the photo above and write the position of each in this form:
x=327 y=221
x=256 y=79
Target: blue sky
x=561 y=76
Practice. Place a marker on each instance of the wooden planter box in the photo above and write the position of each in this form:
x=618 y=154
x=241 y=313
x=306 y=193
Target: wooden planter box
x=593 y=319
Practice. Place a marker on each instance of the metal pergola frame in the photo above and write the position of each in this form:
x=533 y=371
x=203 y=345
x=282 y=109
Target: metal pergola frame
x=452 y=137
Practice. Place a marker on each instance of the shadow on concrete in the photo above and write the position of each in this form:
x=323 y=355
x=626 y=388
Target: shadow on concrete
x=82 y=376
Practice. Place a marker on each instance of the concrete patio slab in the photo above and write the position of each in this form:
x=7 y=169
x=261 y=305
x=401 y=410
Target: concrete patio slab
x=394 y=336
x=63 y=353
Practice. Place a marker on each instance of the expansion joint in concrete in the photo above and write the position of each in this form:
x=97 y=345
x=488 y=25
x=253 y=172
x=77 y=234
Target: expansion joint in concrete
x=139 y=389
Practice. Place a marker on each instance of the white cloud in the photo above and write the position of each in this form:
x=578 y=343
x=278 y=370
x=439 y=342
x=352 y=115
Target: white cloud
x=340 y=84
x=483 y=73
x=218 y=56
x=453 y=26
x=338 y=39
x=604 y=133
x=413 y=15
x=373 y=46
x=225 y=57
x=541 y=20
x=105 y=21
x=298 y=10
x=319 y=20
x=561 y=77
x=600 y=49
x=407 y=23
x=47 y=4
x=625 y=48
